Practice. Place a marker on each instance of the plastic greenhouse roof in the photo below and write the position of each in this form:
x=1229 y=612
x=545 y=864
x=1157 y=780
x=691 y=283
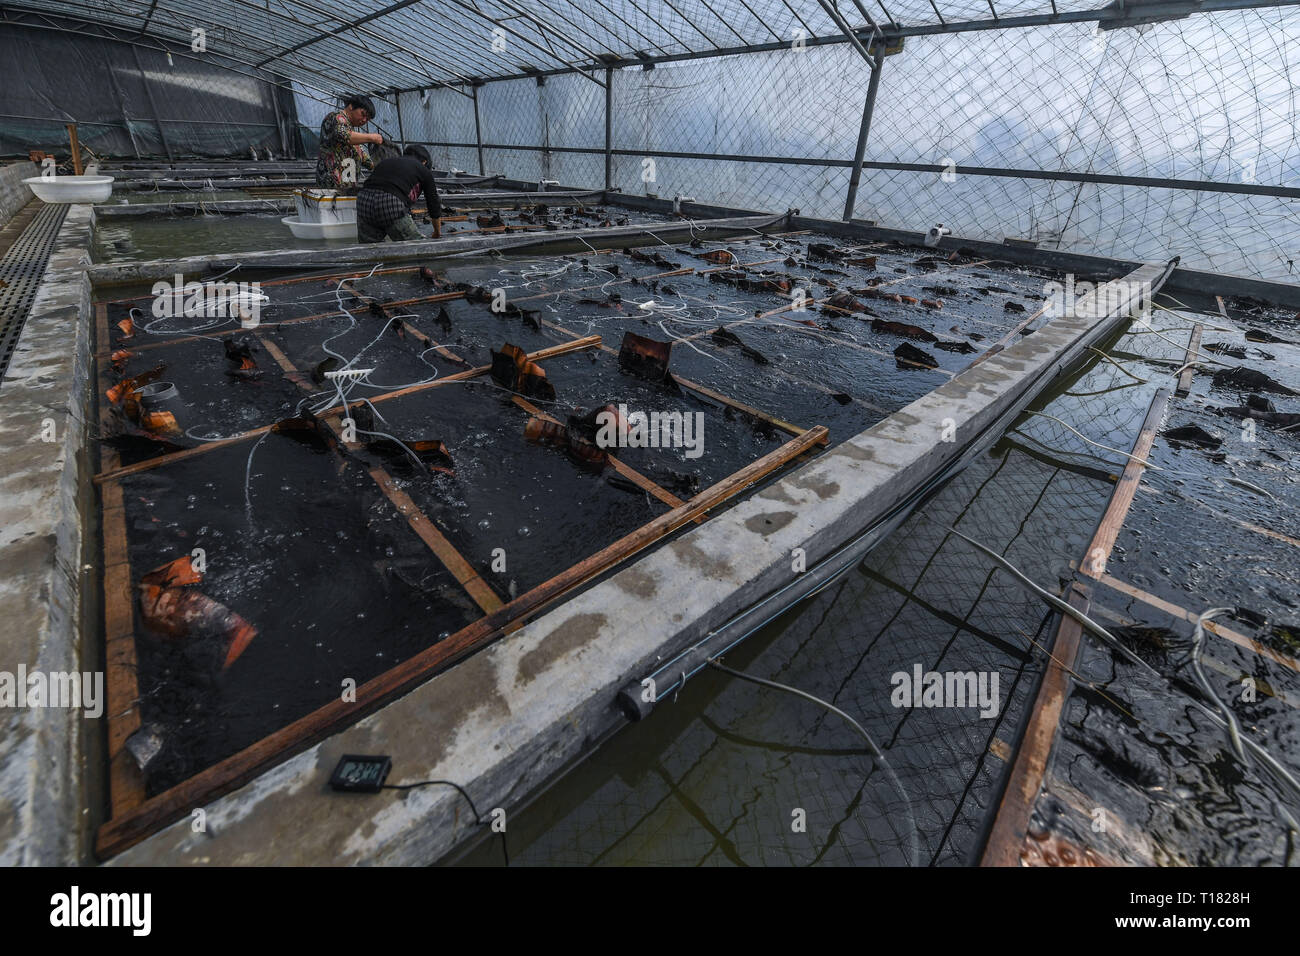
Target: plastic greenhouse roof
x=378 y=45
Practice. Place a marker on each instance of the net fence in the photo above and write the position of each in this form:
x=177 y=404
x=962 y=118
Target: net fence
x=1172 y=138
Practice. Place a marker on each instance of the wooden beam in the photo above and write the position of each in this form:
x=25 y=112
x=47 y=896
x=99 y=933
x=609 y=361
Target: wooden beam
x=420 y=523
x=758 y=413
x=628 y=472
x=1214 y=627
x=1007 y=839
x=1193 y=353
x=126 y=787
x=316 y=317
x=120 y=833
x=76 y=148
x=113 y=474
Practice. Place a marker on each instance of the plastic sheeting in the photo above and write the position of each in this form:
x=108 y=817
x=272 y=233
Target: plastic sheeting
x=132 y=101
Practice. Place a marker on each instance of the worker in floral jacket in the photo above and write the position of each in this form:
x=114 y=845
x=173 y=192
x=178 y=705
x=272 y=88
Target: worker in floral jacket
x=342 y=146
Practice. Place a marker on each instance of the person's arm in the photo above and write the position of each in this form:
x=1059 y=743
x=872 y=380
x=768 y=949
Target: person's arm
x=431 y=199
x=337 y=131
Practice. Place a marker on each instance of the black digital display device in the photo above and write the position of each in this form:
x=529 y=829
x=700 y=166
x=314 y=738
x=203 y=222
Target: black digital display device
x=357 y=773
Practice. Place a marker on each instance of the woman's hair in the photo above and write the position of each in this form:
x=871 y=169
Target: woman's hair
x=420 y=153
x=359 y=102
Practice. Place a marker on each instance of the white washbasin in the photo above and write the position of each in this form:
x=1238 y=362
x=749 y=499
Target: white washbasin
x=71 y=188
x=321 y=230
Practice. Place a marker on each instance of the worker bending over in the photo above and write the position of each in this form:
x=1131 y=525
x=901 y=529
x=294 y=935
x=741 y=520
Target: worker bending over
x=384 y=202
x=343 y=146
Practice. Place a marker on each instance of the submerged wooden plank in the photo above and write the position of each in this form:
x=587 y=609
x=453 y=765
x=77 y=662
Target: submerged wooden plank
x=120 y=833
x=1008 y=840
x=420 y=523
x=125 y=781
x=1193 y=353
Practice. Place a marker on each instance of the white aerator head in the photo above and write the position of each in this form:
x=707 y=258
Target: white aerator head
x=348 y=374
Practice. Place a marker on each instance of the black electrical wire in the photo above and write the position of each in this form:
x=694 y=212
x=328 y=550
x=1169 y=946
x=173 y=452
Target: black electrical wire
x=478 y=819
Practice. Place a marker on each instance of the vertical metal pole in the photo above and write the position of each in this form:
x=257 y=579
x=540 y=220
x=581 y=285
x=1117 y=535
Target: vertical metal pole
x=401 y=131
x=609 y=138
x=478 y=133
x=153 y=104
x=851 y=200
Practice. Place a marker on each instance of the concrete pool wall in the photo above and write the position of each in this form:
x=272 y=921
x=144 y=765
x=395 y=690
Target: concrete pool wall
x=500 y=723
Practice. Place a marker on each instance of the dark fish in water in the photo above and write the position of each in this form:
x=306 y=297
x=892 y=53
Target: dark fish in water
x=1192 y=435
x=239 y=347
x=1287 y=421
x=637 y=256
x=1258 y=335
x=181 y=613
x=170 y=609
x=724 y=336
x=443 y=319
x=842 y=397
x=125 y=388
x=476 y=293
x=1223 y=348
x=126 y=435
x=909 y=357
x=824 y=252
x=511 y=369
x=528 y=316
x=964 y=348
x=1013 y=307
x=489 y=222
x=430 y=454
x=881 y=326
x=645 y=358
x=173 y=574
x=318 y=373
x=240 y=351
x=571 y=438
x=428 y=275
x=615 y=301
x=1248 y=380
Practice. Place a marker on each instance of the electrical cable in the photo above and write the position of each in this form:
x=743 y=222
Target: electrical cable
x=478 y=820
x=871 y=744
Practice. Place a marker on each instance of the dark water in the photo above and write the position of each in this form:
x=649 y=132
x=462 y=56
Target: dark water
x=322 y=563
x=714 y=777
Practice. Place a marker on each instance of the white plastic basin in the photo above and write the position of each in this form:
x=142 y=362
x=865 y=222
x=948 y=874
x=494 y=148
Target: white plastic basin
x=71 y=188
x=320 y=230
